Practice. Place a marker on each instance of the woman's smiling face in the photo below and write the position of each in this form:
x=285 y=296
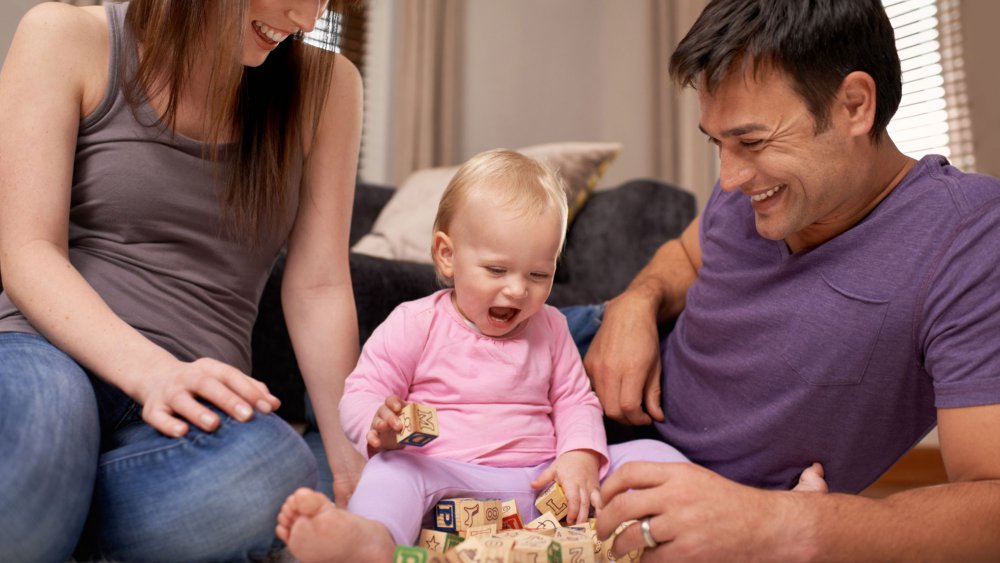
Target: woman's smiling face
x=269 y=22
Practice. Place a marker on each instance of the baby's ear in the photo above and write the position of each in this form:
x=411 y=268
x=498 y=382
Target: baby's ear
x=443 y=254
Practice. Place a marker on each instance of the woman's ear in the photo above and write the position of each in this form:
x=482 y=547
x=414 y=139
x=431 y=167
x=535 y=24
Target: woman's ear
x=857 y=97
x=443 y=254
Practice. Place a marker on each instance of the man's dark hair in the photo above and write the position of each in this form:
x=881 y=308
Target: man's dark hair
x=815 y=42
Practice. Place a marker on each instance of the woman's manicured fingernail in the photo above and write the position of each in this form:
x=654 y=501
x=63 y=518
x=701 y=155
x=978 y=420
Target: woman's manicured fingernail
x=207 y=419
x=263 y=406
x=243 y=412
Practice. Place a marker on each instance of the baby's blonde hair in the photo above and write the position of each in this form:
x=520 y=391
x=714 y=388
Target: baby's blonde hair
x=514 y=181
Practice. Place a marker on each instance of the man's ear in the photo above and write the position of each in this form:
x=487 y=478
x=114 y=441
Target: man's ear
x=443 y=254
x=856 y=99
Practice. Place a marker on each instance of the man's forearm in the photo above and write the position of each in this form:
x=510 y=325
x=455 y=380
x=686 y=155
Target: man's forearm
x=664 y=281
x=953 y=522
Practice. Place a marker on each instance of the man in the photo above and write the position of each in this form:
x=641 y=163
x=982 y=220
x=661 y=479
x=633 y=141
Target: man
x=836 y=298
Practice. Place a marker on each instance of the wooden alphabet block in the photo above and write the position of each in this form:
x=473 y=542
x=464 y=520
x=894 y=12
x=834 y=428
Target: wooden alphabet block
x=437 y=541
x=544 y=524
x=583 y=533
x=484 y=531
x=510 y=518
x=531 y=548
x=578 y=550
x=459 y=514
x=553 y=500
x=469 y=551
x=444 y=515
x=496 y=545
x=409 y=554
x=605 y=548
x=420 y=425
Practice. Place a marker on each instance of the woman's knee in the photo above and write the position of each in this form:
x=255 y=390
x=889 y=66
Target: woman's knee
x=49 y=421
x=208 y=496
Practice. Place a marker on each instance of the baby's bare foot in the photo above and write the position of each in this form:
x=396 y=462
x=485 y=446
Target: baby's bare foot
x=316 y=530
x=303 y=502
x=811 y=480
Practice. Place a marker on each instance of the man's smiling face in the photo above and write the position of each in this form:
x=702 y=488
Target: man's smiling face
x=798 y=181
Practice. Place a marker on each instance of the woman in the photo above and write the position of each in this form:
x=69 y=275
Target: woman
x=149 y=175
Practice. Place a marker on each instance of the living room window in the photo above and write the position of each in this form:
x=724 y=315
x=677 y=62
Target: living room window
x=933 y=117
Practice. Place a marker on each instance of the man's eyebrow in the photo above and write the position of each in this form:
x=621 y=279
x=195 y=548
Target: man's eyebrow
x=737 y=131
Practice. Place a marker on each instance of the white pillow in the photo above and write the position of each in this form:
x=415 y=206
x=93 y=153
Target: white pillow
x=402 y=230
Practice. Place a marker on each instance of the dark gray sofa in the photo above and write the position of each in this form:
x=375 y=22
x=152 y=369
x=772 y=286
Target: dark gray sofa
x=611 y=238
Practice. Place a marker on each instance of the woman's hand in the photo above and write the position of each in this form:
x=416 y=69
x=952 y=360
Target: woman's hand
x=177 y=396
x=385 y=425
x=576 y=471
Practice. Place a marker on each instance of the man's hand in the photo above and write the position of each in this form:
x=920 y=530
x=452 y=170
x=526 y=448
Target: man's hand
x=624 y=361
x=385 y=425
x=697 y=515
x=576 y=471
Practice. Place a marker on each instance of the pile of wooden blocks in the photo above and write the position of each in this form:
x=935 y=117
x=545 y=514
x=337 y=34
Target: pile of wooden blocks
x=490 y=530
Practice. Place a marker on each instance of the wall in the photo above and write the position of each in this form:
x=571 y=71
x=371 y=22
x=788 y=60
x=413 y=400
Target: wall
x=979 y=20
x=10 y=13
x=559 y=70
x=523 y=83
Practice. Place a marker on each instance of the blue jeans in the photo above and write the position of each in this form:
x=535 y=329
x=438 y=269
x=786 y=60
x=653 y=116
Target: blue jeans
x=583 y=321
x=78 y=465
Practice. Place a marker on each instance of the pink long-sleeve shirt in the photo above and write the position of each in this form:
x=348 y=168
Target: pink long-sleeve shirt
x=503 y=402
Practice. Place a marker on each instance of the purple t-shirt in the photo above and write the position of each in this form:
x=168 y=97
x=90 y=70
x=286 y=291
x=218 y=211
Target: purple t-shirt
x=841 y=353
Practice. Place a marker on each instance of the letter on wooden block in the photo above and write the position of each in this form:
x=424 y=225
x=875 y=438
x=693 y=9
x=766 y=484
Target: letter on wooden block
x=444 y=516
x=544 y=524
x=437 y=541
x=407 y=554
x=510 y=518
x=552 y=500
x=420 y=425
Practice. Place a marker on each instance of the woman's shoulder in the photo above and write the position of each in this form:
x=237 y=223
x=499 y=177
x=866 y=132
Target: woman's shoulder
x=70 y=41
x=69 y=22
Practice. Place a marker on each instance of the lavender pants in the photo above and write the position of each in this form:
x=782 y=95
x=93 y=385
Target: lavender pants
x=399 y=488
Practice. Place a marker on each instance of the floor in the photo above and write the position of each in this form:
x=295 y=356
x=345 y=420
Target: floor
x=920 y=467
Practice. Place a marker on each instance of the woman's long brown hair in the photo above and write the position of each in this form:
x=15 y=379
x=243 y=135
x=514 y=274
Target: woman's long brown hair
x=262 y=110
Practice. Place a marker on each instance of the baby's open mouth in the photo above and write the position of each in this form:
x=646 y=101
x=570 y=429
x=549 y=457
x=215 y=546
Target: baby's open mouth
x=503 y=315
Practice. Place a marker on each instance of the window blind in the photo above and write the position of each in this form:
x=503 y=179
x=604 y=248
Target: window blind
x=344 y=33
x=933 y=116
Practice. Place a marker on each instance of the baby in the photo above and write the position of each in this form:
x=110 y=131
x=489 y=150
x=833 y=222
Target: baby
x=515 y=407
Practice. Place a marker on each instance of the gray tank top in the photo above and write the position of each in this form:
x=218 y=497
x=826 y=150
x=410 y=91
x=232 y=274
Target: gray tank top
x=145 y=230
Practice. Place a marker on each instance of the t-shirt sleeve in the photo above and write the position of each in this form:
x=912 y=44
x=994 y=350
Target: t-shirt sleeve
x=959 y=333
x=385 y=368
x=576 y=411
x=707 y=214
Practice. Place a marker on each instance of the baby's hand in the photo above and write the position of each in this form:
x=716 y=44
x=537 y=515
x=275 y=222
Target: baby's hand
x=576 y=471
x=385 y=425
x=811 y=480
